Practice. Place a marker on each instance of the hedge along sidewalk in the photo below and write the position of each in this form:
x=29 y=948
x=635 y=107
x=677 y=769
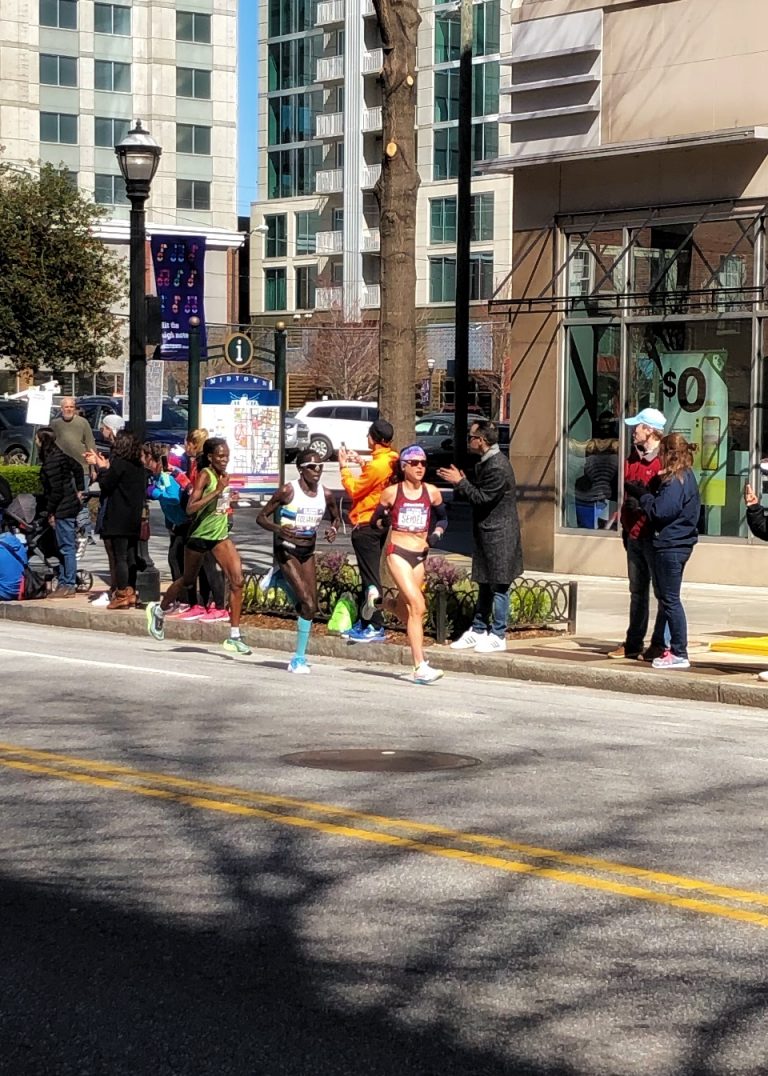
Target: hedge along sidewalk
x=739 y=689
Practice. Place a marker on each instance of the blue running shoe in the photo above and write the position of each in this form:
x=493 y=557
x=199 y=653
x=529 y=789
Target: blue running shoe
x=368 y=634
x=357 y=626
x=299 y=665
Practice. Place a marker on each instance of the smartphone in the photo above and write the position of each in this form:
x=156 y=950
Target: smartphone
x=710 y=444
x=343 y=444
x=164 y=461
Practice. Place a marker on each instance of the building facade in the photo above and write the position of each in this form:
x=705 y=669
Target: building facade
x=76 y=74
x=640 y=164
x=315 y=249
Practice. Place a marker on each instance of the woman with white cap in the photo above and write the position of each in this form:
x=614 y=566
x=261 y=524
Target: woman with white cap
x=411 y=506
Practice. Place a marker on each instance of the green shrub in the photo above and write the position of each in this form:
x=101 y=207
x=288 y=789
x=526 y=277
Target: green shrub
x=529 y=605
x=22 y=478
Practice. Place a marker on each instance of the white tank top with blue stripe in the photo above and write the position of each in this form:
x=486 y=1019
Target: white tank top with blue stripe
x=303 y=514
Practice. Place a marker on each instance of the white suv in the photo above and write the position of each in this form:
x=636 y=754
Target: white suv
x=336 y=422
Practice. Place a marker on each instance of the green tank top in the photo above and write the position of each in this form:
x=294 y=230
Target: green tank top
x=210 y=524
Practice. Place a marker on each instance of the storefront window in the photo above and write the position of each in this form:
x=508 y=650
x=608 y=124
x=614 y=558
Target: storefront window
x=596 y=271
x=593 y=418
x=698 y=374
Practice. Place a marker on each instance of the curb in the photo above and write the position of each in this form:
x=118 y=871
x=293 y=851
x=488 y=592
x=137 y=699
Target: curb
x=564 y=673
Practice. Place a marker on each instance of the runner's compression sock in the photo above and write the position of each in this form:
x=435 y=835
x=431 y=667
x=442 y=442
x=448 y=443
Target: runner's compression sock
x=302 y=636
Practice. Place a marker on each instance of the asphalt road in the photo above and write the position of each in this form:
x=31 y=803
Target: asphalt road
x=591 y=898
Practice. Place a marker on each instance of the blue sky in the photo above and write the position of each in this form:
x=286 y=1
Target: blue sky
x=248 y=104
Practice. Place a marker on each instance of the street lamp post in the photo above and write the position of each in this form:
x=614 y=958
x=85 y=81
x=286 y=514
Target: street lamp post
x=193 y=375
x=281 y=381
x=430 y=374
x=138 y=156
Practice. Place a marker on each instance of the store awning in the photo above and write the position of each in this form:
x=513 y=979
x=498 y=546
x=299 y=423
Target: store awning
x=731 y=136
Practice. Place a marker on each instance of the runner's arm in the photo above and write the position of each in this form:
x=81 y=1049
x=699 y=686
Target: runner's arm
x=198 y=498
x=265 y=518
x=439 y=516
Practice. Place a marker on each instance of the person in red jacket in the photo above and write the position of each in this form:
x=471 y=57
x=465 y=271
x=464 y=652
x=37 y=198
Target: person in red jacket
x=641 y=469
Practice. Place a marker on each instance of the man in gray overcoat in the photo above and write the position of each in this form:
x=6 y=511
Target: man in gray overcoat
x=498 y=556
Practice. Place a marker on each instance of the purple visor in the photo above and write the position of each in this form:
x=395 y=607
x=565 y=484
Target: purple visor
x=413 y=453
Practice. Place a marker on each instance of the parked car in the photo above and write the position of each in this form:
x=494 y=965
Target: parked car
x=435 y=432
x=296 y=436
x=171 y=429
x=16 y=435
x=335 y=422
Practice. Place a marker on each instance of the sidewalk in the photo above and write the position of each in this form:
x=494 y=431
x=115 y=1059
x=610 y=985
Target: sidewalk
x=714 y=612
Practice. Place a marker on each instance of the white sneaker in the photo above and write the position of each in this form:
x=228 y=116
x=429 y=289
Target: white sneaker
x=763 y=676
x=425 y=674
x=469 y=640
x=102 y=600
x=372 y=597
x=491 y=644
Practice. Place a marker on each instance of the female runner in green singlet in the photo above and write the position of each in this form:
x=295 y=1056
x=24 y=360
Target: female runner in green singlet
x=209 y=505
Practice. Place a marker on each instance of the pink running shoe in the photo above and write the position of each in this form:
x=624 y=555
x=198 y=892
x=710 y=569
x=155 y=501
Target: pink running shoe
x=215 y=614
x=197 y=612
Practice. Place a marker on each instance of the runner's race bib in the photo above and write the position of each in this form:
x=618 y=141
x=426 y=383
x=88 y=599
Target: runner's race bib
x=413 y=517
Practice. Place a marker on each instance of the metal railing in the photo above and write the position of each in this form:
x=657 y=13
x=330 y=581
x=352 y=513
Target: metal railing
x=533 y=603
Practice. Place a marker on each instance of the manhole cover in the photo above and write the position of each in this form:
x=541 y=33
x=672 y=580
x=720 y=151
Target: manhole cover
x=374 y=761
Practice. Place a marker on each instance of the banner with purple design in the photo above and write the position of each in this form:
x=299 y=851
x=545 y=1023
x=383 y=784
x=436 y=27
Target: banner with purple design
x=179 y=264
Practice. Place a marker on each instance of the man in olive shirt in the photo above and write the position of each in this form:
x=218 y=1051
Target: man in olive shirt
x=73 y=433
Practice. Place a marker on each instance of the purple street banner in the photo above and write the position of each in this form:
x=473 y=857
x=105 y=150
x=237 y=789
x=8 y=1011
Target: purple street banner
x=179 y=264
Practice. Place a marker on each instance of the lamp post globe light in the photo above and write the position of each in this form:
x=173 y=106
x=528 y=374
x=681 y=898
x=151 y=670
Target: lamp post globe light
x=138 y=156
x=430 y=373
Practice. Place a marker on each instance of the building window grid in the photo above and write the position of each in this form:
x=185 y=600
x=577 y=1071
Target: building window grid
x=306 y=286
x=293 y=18
x=58 y=70
x=307 y=227
x=193 y=82
x=108 y=131
x=59 y=127
x=486 y=36
x=443 y=217
x=445 y=161
x=193 y=194
x=112 y=76
x=193 y=26
x=275 y=294
x=109 y=189
x=114 y=19
x=276 y=241
x=193 y=138
x=62 y=14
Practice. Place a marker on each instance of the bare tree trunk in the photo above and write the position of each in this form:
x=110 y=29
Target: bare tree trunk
x=396 y=191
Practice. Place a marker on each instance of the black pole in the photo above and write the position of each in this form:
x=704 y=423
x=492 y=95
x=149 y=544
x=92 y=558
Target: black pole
x=463 y=229
x=137 y=332
x=193 y=376
x=280 y=385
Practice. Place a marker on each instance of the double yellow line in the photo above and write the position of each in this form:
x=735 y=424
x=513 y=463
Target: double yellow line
x=475 y=849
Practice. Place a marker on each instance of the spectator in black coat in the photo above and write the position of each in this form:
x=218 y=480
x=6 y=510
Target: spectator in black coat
x=123 y=486
x=62 y=481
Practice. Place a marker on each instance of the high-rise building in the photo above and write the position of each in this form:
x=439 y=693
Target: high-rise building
x=74 y=76
x=320 y=153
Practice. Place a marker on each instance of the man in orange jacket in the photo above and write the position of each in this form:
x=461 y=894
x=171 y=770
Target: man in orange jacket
x=368 y=541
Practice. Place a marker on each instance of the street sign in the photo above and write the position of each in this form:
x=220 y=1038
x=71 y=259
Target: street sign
x=238 y=350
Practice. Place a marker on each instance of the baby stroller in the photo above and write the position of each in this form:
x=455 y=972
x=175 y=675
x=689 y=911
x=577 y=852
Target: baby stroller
x=23 y=516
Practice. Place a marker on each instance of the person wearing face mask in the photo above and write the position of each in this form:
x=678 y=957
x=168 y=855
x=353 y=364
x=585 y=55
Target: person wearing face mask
x=641 y=469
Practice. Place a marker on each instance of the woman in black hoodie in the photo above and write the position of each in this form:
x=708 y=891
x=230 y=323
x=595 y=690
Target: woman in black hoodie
x=62 y=481
x=123 y=486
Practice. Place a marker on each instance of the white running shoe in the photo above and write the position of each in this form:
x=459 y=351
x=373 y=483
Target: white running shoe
x=155 y=621
x=102 y=601
x=299 y=665
x=372 y=598
x=762 y=676
x=469 y=640
x=490 y=644
x=425 y=674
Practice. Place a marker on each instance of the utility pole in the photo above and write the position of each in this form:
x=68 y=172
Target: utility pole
x=463 y=230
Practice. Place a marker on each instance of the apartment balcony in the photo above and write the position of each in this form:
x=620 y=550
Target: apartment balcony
x=329 y=242
x=330 y=68
x=373 y=61
x=330 y=181
x=329 y=298
x=372 y=119
x=371 y=296
x=329 y=12
x=369 y=176
x=368 y=10
x=371 y=241
x=329 y=125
